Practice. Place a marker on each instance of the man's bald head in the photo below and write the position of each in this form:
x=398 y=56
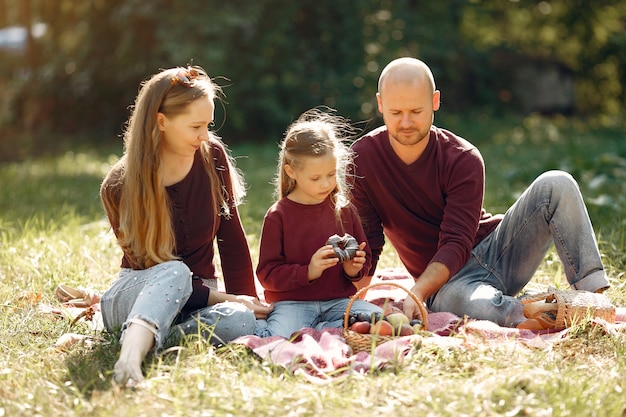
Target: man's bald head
x=406 y=71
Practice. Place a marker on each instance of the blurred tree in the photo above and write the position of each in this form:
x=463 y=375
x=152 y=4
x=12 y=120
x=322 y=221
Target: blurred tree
x=579 y=39
x=277 y=58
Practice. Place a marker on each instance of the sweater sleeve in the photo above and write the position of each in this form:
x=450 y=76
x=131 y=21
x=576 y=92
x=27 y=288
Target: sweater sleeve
x=464 y=191
x=273 y=271
x=231 y=240
x=110 y=195
x=235 y=257
x=110 y=190
x=359 y=234
x=371 y=224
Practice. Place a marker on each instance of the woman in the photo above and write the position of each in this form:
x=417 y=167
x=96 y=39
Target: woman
x=172 y=194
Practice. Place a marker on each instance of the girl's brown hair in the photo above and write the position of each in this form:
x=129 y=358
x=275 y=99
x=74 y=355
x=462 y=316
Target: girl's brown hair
x=316 y=133
x=145 y=232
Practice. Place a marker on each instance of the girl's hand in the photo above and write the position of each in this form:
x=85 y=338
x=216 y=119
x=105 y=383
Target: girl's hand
x=321 y=260
x=354 y=266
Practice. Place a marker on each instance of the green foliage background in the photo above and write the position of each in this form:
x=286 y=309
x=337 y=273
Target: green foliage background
x=277 y=58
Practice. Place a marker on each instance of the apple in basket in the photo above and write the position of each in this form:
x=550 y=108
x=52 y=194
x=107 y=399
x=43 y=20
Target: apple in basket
x=405 y=330
x=397 y=319
x=402 y=325
x=382 y=328
x=362 y=327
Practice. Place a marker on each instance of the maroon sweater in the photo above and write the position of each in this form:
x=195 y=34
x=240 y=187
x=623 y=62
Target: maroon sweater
x=430 y=210
x=194 y=224
x=291 y=234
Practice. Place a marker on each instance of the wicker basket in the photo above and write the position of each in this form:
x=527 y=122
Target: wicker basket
x=574 y=306
x=360 y=342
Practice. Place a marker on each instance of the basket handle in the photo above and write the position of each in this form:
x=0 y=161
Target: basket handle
x=423 y=311
x=542 y=296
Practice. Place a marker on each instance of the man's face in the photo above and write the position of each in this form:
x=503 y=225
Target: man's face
x=408 y=110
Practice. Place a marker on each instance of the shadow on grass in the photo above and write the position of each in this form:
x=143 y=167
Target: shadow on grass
x=55 y=185
x=90 y=368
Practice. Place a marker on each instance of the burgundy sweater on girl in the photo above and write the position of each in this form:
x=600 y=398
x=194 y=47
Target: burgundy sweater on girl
x=430 y=210
x=291 y=233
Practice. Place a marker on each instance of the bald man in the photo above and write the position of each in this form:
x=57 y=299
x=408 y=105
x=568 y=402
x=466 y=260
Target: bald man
x=421 y=187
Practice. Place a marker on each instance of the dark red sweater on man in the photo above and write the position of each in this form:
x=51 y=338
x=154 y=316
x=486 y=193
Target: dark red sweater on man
x=292 y=233
x=430 y=210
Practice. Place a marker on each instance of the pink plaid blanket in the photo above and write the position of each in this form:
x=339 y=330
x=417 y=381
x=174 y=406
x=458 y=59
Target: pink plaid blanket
x=325 y=356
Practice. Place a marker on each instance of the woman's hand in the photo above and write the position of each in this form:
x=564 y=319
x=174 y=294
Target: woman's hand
x=259 y=309
x=354 y=266
x=321 y=260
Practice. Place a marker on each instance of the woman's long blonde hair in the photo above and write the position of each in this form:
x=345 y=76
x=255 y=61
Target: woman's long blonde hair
x=146 y=233
x=316 y=133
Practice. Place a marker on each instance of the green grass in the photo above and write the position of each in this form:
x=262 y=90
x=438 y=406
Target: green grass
x=52 y=231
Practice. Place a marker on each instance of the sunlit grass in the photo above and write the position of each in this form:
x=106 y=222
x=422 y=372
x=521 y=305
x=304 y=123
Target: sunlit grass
x=52 y=230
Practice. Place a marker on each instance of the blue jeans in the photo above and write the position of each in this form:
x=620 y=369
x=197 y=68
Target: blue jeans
x=290 y=316
x=157 y=295
x=551 y=210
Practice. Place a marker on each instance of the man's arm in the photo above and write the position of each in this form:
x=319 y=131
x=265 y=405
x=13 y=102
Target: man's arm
x=432 y=279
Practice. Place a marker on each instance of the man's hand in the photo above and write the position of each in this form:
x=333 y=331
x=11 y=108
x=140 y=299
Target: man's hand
x=431 y=280
x=411 y=309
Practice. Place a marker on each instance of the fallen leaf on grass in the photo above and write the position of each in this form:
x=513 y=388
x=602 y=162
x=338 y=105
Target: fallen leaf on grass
x=67 y=340
x=27 y=298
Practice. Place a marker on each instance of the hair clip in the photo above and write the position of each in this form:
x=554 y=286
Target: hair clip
x=185 y=77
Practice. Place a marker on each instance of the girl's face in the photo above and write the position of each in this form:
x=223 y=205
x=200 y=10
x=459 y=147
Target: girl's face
x=315 y=179
x=183 y=133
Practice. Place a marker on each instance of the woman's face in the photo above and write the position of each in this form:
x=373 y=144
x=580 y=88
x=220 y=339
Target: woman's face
x=183 y=133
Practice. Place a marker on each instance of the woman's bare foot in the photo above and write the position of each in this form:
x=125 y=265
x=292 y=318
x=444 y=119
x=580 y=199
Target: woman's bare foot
x=137 y=341
x=127 y=374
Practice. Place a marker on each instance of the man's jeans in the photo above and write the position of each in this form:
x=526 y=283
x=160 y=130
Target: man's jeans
x=550 y=210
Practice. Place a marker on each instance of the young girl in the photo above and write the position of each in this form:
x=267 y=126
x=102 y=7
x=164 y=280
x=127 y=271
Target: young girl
x=171 y=195
x=299 y=271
